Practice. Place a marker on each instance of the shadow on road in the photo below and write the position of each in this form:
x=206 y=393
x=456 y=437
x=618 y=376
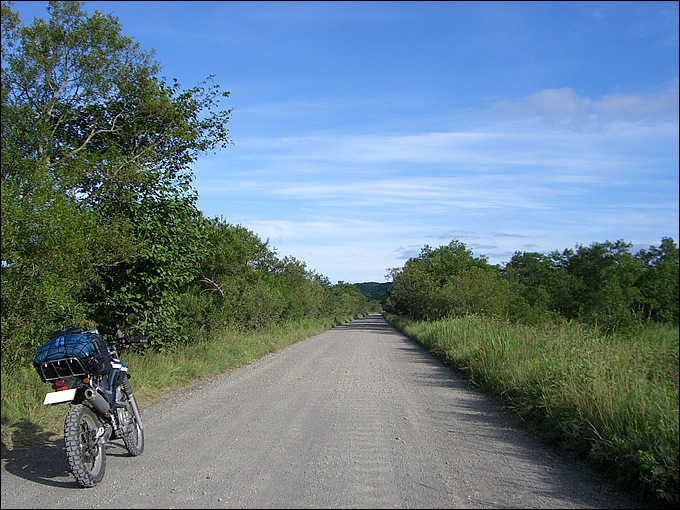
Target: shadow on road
x=46 y=464
x=375 y=323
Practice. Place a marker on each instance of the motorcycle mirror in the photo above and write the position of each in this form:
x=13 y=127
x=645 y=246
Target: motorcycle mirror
x=132 y=319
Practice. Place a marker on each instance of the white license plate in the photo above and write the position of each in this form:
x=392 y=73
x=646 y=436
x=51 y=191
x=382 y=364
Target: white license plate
x=58 y=397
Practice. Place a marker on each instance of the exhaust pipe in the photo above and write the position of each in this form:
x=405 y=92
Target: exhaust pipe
x=97 y=401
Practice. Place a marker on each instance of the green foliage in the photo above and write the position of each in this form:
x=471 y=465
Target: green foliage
x=46 y=263
x=606 y=274
x=168 y=235
x=345 y=302
x=658 y=282
x=252 y=288
x=446 y=282
x=603 y=284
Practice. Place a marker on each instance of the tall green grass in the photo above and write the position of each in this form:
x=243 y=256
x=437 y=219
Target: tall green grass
x=610 y=398
x=25 y=421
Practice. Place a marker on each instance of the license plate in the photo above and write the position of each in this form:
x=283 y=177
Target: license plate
x=58 y=397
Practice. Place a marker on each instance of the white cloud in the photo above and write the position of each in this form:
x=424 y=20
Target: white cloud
x=638 y=107
x=555 y=105
x=565 y=106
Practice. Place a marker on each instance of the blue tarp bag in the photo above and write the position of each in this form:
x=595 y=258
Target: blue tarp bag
x=72 y=351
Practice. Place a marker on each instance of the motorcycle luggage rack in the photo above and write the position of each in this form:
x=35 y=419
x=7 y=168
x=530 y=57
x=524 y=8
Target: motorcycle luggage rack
x=65 y=367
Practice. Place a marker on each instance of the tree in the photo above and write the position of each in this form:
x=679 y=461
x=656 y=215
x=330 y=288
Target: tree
x=443 y=282
x=658 y=282
x=538 y=287
x=606 y=274
x=408 y=294
x=99 y=216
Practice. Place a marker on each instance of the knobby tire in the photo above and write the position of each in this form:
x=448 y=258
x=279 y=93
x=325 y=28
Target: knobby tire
x=85 y=451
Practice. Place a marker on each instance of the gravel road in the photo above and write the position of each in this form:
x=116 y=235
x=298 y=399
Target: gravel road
x=357 y=417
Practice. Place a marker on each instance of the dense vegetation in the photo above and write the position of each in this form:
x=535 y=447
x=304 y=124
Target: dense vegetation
x=602 y=284
x=99 y=215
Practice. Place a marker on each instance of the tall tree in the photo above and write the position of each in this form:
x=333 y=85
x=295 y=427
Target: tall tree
x=445 y=281
x=96 y=178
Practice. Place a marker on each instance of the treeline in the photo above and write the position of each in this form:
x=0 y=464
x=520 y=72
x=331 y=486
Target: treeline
x=603 y=284
x=99 y=217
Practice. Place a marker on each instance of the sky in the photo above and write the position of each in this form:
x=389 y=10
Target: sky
x=365 y=131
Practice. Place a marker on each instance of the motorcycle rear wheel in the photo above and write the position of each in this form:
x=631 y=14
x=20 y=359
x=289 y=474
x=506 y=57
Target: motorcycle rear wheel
x=85 y=451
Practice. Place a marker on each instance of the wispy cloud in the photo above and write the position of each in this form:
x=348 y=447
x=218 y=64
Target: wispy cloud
x=520 y=184
x=565 y=106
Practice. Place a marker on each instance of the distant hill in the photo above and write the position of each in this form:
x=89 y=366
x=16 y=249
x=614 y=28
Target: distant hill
x=374 y=290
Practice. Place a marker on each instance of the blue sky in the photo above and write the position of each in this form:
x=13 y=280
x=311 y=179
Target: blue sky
x=364 y=131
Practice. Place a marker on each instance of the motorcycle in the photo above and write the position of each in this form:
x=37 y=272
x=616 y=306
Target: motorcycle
x=87 y=373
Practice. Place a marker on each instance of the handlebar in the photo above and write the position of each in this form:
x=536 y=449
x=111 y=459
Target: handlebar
x=135 y=338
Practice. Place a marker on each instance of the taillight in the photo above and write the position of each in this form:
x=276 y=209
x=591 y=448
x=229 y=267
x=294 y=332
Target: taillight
x=60 y=385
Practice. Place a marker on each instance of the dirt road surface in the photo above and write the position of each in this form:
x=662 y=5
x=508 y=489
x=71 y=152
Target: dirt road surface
x=357 y=417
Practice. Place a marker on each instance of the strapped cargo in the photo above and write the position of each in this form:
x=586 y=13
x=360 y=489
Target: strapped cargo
x=72 y=352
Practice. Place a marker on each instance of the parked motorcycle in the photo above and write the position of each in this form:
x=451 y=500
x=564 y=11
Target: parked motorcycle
x=87 y=373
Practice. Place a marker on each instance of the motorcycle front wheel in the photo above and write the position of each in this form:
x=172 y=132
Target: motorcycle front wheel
x=85 y=451
x=133 y=433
